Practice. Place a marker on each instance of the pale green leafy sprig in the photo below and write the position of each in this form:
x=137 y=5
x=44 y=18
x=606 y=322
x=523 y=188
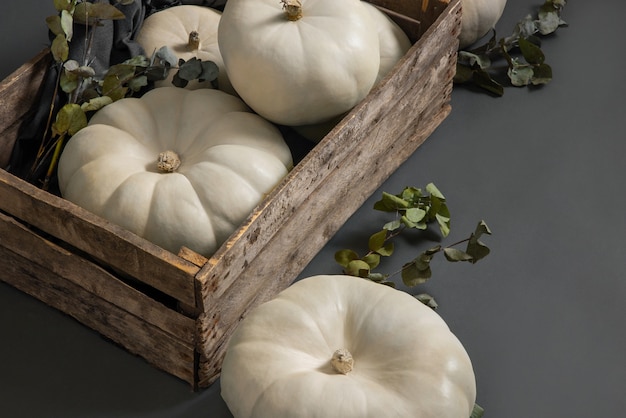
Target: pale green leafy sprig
x=415 y=209
x=87 y=91
x=525 y=61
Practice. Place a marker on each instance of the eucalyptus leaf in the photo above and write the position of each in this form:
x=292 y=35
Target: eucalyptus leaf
x=190 y=70
x=138 y=61
x=474 y=60
x=177 y=81
x=210 y=71
x=60 y=5
x=483 y=80
x=393 y=225
x=91 y=13
x=412 y=276
x=520 y=74
x=344 y=257
x=96 y=103
x=137 y=83
x=415 y=215
x=70 y=119
x=549 y=22
x=390 y=203
x=54 y=25
x=372 y=260
x=68 y=81
x=67 y=24
x=477 y=411
x=542 y=74
x=167 y=55
x=433 y=190
x=477 y=250
x=378 y=278
x=454 y=255
x=377 y=240
x=531 y=52
x=60 y=49
x=444 y=224
x=427 y=300
x=358 y=268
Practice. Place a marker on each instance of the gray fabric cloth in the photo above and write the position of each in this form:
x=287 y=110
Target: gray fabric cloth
x=113 y=43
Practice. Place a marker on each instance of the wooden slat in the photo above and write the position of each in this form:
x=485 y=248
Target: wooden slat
x=135 y=335
x=93 y=279
x=20 y=89
x=109 y=243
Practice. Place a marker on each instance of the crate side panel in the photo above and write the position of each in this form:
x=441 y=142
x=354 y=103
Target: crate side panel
x=112 y=245
x=160 y=349
x=92 y=278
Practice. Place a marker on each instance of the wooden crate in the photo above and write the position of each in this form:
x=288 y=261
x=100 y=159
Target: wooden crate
x=177 y=311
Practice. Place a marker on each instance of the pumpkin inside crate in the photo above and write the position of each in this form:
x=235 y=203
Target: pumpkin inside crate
x=177 y=311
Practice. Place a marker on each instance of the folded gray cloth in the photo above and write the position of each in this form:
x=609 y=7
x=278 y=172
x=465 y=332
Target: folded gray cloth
x=113 y=42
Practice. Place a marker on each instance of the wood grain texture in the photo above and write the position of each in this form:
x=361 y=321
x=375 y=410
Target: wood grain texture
x=104 y=241
x=18 y=92
x=137 y=336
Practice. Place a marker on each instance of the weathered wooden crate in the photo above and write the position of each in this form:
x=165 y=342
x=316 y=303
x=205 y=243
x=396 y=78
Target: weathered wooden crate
x=177 y=311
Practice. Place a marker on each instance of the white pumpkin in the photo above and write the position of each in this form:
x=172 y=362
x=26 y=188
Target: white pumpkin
x=120 y=166
x=191 y=32
x=296 y=69
x=393 y=45
x=477 y=18
x=396 y=358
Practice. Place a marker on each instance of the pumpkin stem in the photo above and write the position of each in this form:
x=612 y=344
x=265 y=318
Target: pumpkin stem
x=194 y=41
x=342 y=361
x=168 y=161
x=293 y=9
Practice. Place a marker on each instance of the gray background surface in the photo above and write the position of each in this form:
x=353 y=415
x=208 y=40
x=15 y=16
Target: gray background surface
x=542 y=317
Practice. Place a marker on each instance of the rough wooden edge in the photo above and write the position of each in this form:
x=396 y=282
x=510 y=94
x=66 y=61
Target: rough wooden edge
x=114 y=246
x=158 y=348
x=21 y=89
x=92 y=278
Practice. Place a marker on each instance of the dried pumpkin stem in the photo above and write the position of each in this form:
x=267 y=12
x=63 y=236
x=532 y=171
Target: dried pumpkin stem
x=342 y=361
x=168 y=161
x=194 y=41
x=293 y=9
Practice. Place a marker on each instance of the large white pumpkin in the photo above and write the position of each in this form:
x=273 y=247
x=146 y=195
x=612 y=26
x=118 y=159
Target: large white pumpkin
x=191 y=32
x=229 y=159
x=301 y=71
x=399 y=357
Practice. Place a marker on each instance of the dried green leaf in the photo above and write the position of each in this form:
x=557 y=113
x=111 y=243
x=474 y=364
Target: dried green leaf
x=54 y=25
x=372 y=260
x=542 y=74
x=390 y=203
x=96 y=103
x=434 y=191
x=166 y=55
x=531 y=52
x=60 y=5
x=477 y=411
x=413 y=276
x=549 y=21
x=377 y=240
x=60 y=49
x=483 y=80
x=415 y=215
x=137 y=83
x=453 y=254
x=393 y=225
x=68 y=82
x=190 y=70
x=91 y=13
x=178 y=81
x=358 y=268
x=444 y=224
x=112 y=86
x=70 y=119
x=427 y=300
x=474 y=60
x=344 y=257
x=520 y=74
x=210 y=71
x=67 y=24
x=138 y=61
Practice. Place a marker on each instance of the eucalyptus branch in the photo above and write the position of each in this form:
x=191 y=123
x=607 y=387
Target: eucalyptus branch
x=414 y=209
x=525 y=61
